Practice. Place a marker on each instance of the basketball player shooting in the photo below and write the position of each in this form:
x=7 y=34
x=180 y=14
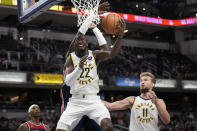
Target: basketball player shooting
x=145 y=108
x=85 y=123
x=81 y=75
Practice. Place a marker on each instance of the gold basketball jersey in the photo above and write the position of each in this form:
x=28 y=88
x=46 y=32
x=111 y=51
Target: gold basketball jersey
x=144 y=115
x=87 y=82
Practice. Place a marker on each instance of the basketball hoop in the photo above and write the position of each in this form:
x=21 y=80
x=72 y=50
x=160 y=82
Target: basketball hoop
x=86 y=7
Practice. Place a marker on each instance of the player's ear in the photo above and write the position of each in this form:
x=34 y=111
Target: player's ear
x=153 y=85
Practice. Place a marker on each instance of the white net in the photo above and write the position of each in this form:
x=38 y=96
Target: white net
x=84 y=8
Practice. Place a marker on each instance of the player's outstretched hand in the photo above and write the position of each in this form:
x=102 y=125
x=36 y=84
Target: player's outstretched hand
x=83 y=59
x=107 y=104
x=103 y=8
x=121 y=27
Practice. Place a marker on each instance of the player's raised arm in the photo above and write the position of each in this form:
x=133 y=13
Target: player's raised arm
x=103 y=55
x=101 y=40
x=87 y=22
x=117 y=44
x=163 y=113
x=161 y=107
x=120 y=105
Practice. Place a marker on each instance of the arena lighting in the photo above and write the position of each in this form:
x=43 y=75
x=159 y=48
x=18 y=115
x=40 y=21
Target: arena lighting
x=111 y=46
x=150 y=20
x=74 y=9
x=125 y=31
x=130 y=17
x=144 y=9
x=21 y=38
x=157 y=37
x=15 y=98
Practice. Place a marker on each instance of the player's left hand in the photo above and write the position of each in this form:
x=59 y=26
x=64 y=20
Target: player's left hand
x=153 y=97
x=121 y=27
x=103 y=7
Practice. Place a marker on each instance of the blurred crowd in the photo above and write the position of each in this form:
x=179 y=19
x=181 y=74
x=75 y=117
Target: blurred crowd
x=184 y=121
x=12 y=114
x=48 y=56
x=45 y=55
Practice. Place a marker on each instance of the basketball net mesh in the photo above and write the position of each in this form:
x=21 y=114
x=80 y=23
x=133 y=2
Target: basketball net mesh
x=86 y=7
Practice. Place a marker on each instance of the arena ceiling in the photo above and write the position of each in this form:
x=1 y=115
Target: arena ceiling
x=8 y=14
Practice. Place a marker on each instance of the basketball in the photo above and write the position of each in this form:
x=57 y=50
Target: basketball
x=110 y=22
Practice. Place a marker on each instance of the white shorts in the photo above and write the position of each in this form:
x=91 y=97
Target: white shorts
x=78 y=107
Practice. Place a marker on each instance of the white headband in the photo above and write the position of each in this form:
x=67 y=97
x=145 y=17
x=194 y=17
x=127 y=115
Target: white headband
x=31 y=107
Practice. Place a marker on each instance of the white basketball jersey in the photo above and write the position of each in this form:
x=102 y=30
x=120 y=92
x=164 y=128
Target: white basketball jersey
x=87 y=82
x=144 y=115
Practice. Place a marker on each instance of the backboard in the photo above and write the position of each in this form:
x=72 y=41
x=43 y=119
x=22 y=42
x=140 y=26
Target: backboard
x=29 y=9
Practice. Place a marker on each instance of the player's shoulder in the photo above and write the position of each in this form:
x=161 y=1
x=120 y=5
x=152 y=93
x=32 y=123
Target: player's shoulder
x=68 y=60
x=96 y=51
x=131 y=99
x=68 y=57
x=23 y=127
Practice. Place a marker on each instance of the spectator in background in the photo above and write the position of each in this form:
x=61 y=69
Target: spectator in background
x=34 y=123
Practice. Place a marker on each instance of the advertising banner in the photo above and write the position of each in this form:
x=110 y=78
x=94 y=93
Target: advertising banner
x=188 y=84
x=165 y=83
x=123 y=81
x=13 y=77
x=47 y=78
x=135 y=82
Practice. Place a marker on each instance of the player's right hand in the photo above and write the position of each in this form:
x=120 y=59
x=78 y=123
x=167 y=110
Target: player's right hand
x=92 y=26
x=83 y=59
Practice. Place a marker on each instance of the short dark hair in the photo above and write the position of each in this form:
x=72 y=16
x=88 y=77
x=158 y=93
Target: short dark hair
x=79 y=36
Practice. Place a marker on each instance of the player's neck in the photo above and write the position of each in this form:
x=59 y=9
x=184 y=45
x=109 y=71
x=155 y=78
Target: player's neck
x=144 y=95
x=35 y=121
x=81 y=53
